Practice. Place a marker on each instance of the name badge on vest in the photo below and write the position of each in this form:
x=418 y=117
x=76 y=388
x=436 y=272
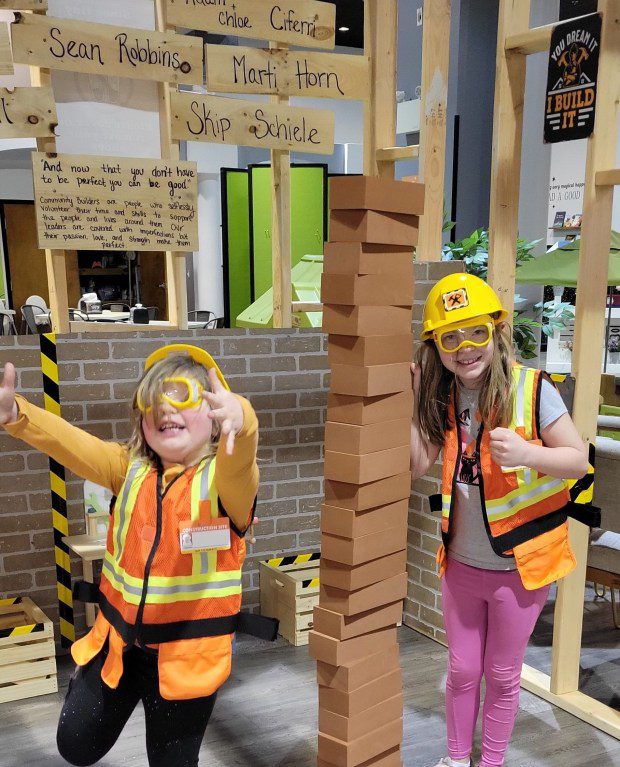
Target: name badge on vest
x=200 y=536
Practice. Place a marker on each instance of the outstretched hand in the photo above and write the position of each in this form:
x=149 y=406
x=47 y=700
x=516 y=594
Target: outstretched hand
x=225 y=409
x=8 y=406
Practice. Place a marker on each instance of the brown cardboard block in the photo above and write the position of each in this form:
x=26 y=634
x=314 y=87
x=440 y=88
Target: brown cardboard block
x=347 y=467
x=366 y=290
x=370 y=381
x=336 y=652
x=353 y=578
x=369 y=350
x=347 y=523
x=360 y=497
x=361 y=258
x=391 y=758
x=366 y=320
x=364 y=548
x=355 y=752
x=351 y=728
x=365 y=697
x=373 y=193
x=352 y=676
x=347 y=408
x=344 y=627
x=351 y=438
x=353 y=602
x=371 y=227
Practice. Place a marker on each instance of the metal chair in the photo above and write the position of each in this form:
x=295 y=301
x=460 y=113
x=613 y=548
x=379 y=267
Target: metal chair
x=7 y=324
x=39 y=302
x=75 y=315
x=200 y=315
x=29 y=323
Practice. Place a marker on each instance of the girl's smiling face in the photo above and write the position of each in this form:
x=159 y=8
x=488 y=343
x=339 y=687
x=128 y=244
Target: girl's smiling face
x=469 y=364
x=178 y=436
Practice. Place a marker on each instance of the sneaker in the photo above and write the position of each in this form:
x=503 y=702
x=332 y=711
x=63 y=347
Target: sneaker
x=447 y=762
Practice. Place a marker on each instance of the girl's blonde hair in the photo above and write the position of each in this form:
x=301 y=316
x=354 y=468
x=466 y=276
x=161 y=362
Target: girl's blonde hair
x=436 y=384
x=148 y=393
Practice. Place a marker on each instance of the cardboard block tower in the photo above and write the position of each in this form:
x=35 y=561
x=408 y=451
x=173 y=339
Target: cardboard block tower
x=367 y=292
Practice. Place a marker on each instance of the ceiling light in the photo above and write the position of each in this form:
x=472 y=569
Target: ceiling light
x=343 y=29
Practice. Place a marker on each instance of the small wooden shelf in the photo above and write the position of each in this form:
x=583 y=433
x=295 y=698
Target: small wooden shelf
x=107 y=272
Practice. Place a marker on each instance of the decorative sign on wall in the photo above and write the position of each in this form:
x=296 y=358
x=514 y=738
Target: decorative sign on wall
x=247 y=123
x=6 y=61
x=24 y=5
x=297 y=22
x=571 y=80
x=97 y=203
x=102 y=49
x=27 y=113
x=233 y=69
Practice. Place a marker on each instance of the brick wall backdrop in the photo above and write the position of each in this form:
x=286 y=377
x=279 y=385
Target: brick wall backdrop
x=283 y=373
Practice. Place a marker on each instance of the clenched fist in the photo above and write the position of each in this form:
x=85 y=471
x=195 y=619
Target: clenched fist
x=8 y=406
x=508 y=448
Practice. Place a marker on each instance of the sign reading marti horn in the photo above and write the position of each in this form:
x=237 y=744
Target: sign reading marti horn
x=571 y=79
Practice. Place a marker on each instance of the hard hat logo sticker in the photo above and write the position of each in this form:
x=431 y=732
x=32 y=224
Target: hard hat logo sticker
x=455 y=299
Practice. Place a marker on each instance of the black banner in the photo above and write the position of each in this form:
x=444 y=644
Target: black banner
x=571 y=80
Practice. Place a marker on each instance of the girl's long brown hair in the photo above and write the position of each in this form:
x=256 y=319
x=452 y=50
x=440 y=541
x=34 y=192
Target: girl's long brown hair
x=496 y=394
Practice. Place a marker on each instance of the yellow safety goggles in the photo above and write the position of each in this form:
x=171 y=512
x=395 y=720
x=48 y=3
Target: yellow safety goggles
x=180 y=392
x=476 y=332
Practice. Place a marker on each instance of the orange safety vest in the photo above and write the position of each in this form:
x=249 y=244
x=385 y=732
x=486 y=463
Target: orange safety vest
x=525 y=512
x=152 y=593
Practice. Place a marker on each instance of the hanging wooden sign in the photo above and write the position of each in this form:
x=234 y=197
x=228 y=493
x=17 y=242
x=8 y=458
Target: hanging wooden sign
x=6 y=60
x=277 y=71
x=24 y=5
x=106 y=50
x=248 y=123
x=27 y=113
x=111 y=203
x=306 y=23
x=571 y=79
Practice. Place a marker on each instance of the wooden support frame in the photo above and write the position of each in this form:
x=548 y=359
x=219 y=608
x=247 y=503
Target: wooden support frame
x=561 y=687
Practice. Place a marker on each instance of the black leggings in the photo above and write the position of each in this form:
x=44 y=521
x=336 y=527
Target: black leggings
x=93 y=715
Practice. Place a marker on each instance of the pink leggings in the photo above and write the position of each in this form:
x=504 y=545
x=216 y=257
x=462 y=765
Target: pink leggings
x=489 y=618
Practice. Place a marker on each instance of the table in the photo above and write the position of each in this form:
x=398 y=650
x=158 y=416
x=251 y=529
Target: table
x=90 y=549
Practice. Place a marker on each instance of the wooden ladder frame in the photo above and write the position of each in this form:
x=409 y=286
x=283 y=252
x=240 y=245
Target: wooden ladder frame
x=515 y=41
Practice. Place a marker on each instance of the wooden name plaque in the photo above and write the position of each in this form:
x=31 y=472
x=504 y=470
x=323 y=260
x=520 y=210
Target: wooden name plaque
x=111 y=203
x=27 y=113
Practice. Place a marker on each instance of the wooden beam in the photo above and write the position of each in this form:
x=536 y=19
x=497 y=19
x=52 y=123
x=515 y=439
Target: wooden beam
x=589 y=333
x=506 y=159
x=380 y=40
x=281 y=264
x=395 y=153
x=533 y=41
x=607 y=177
x=433 y=118
x=306 y=306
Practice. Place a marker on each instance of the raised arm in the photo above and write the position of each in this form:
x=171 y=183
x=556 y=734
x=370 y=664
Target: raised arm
x=423 y=453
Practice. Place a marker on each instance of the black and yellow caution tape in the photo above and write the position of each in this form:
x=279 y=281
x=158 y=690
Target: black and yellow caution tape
x=10 y=601
x=558 y=377
x=16 y=631
x=582 y=490
x=313 y=583
x=51 y=396
x=299 y=559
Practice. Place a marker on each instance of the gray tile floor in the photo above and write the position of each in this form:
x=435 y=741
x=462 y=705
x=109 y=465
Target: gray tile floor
x=266 y=717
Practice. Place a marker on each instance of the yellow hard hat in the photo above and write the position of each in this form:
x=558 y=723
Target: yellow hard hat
x=195 y=352
x=456 y=298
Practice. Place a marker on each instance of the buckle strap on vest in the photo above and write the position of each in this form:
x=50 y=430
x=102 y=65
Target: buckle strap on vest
x=83 y=591
x=435 y=502
x=586 y=514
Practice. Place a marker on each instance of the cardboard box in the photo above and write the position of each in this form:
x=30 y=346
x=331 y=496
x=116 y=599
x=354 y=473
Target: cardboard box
x=373 y=193
x=348 y=408
x=351 y=728
x=391 y=758
x=346 y=627
x=369 y=226
x=369 y=350
x=370 y=381
x=354 y=602
x=365 y=697
x=360 y=440
x=366 y=290
x=383 y=492
x=347 y=467
x=347 y=523
x=336 y=652
x=366 y=320
x=352 y=578
x=352 y=676
x=363 y=548
x=363 y=258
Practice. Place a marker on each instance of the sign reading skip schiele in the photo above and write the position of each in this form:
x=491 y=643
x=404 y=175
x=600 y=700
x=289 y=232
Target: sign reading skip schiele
x=296 y=22
x=106 y=50
x=247 y=123
x=111 y=203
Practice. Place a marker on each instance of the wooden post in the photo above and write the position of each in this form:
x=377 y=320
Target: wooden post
x=514 y=18
x=176 y=262
x=281 y=264
x=589 y=332
x=433 y=118
x=380 y=41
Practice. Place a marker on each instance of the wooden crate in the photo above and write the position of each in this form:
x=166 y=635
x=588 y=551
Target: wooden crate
x=27 y=653
x=289 y=591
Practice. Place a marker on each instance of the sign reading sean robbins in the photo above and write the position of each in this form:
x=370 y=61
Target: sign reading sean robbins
x=111 y=203
x=571 y=79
